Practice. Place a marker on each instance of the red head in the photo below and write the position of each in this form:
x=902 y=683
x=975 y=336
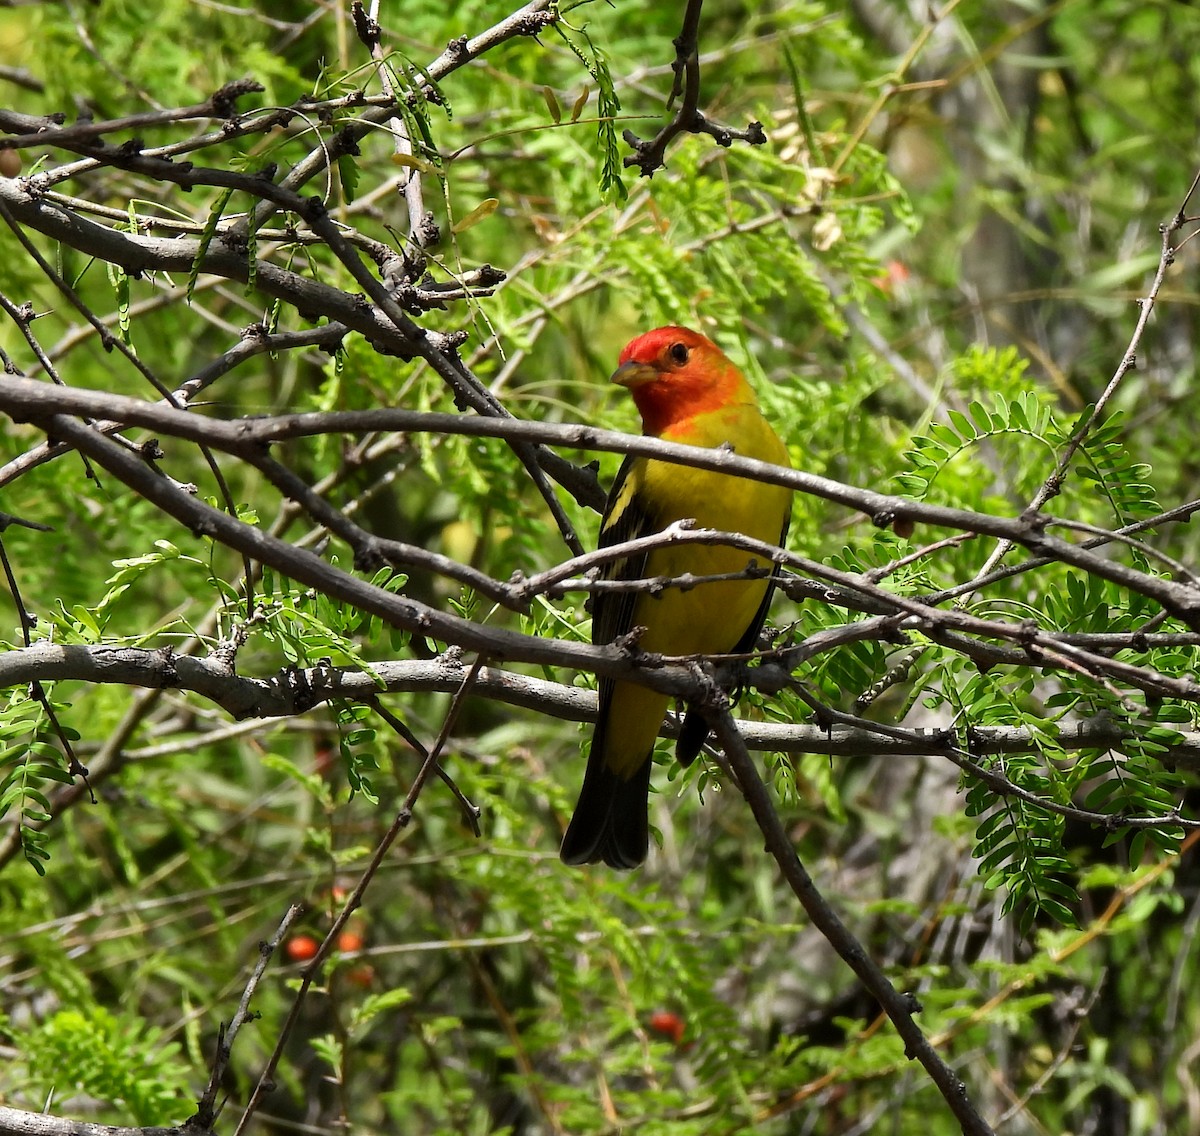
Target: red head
x=674 y=373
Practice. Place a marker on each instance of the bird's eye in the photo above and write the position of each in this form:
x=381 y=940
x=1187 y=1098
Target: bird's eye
x=679 y=353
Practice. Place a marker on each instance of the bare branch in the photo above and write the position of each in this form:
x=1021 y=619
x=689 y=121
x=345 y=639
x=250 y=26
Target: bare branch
x=1053 y=484
x=650 y=156
x=899 y=1007
x=206 y=1109
x=15 y=1122
x=49 y=132
x=27 y=400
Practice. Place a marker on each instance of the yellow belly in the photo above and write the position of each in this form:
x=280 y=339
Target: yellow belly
x=709 y=618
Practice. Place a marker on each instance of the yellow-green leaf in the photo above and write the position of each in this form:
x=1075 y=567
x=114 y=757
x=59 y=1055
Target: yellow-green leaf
x=414 y=163
x=580 y=103
x=484 y=209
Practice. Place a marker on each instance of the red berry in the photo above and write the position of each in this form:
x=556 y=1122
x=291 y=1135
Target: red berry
x=350 y=941
x=668 y=1024
x=301 y=948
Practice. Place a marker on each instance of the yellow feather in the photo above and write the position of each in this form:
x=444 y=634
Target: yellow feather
x=686 y=391
x=710 y=618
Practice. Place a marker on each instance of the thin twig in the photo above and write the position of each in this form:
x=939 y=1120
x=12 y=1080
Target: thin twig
x=1052 y=486
x=206 y=1108
x=354 y=900
x=650 y=156
x=471 y=813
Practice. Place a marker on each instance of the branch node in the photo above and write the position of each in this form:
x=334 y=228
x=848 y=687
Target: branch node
x=368 y=556
x=1034 y=519
x=223 y=100
x=303 y=695
x=428 y=232
x=367 y=30
x=345 y=142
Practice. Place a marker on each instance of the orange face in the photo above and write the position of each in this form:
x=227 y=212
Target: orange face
x=673 y=374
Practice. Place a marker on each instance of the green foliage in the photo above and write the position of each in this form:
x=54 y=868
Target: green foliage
x=30 y=764
x=928 y=295
x=1019 y=845
x=596 y=63
x=354 y=741
x=120 y=1062
x=215 y=216
x=1123 y=482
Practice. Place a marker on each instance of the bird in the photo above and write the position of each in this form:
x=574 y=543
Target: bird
x=686 y=390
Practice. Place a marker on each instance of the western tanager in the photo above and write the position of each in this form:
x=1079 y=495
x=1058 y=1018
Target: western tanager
x=686 y=391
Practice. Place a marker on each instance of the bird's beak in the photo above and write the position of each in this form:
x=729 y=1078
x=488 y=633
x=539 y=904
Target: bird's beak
x=634 y=374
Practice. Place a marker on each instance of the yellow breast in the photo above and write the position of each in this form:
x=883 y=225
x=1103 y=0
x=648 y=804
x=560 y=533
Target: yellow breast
x=712 y=617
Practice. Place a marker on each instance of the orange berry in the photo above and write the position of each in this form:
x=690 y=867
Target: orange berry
x=350 y=941
x=301 y=948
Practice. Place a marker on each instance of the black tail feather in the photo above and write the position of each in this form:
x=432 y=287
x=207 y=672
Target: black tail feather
x=692 y=736
x=611 y=822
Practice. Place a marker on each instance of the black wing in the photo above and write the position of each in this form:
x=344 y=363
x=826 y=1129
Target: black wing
x=625 y=518
x=610 y=821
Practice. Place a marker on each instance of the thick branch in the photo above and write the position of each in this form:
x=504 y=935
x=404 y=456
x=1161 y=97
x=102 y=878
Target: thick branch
x=296 y=691
x=15 y=1122
x=29 y=400
x=899 y=1007
x=289 y=692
